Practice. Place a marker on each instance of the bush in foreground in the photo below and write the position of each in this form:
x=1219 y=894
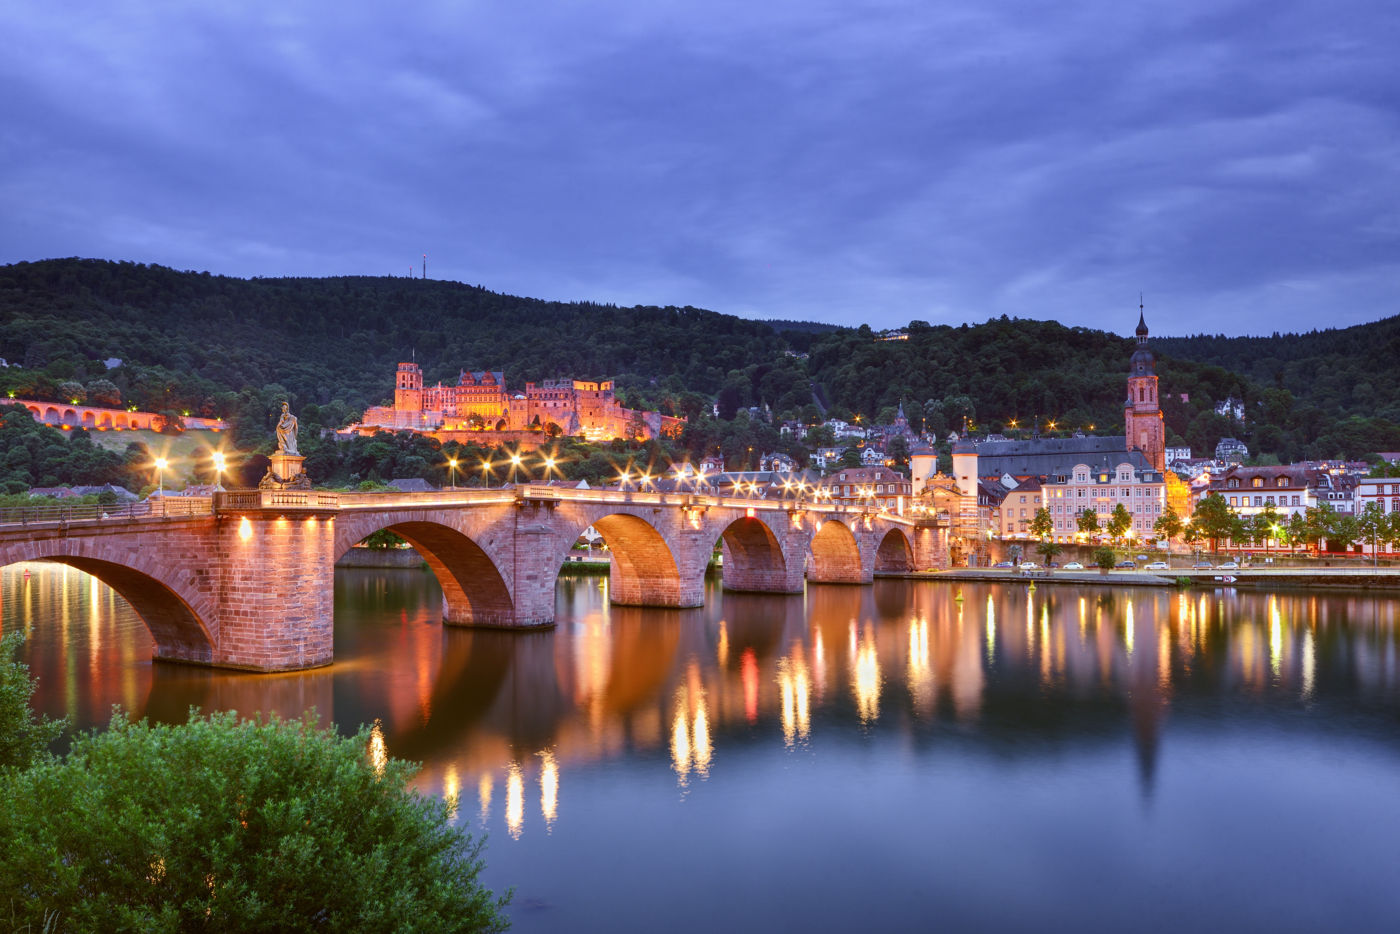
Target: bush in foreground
x=24 y=737
x=228 y=825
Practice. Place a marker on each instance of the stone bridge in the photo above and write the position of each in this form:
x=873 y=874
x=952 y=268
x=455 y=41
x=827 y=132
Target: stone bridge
x=245 y=580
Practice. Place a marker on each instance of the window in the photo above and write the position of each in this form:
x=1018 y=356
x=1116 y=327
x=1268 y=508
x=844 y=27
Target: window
x=1258 y=481
x=1258 y=500
x=1295 y=501
x=1283 y=481
x=1234 y=501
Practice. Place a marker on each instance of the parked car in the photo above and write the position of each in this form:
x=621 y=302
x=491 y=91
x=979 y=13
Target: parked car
x=1126 y=564
x=1074 y=566
x=1003 y=564
x=1201 y=566
x=1158 y=566
x=1228 y=566
x=1029 y=566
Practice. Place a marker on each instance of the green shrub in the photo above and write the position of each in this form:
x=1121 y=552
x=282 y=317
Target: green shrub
x=232 y=825
x=24 y=737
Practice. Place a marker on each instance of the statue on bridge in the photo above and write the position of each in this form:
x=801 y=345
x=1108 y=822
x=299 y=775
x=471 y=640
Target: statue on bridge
x=284 y=467
x=287 y=431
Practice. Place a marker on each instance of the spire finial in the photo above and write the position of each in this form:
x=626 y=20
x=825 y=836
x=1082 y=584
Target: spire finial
x=1142 y=321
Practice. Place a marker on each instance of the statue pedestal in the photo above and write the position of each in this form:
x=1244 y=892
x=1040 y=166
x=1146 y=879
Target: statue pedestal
x=284 y=473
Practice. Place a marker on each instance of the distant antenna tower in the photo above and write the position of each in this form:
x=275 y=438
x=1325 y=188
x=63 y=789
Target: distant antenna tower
x=425 y=265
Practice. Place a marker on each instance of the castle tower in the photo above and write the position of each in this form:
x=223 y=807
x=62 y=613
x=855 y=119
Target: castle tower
x=1142 y=415
x=408 y=388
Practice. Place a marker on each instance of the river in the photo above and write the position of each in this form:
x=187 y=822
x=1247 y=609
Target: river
x=907 y=755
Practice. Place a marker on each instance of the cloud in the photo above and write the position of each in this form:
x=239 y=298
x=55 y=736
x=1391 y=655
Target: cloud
x=874 y=162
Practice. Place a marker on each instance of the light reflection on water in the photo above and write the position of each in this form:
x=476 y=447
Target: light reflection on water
x=779 y=715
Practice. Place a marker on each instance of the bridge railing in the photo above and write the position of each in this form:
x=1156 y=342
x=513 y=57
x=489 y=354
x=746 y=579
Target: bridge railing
x=235 y=500
x=473 y=496
x=173 y=507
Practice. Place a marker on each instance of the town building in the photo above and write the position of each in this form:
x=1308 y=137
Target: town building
x=1290 y=489
x=481 y=401
x=1231 y=451
x=1385 y=493
x=1130 y=482
x=866 y=486
x=1018 y=509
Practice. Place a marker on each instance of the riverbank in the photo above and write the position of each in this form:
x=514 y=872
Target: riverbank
x=1249 y=578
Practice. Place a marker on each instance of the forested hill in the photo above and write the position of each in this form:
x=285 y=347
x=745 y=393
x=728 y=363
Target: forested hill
x=234 y=347
x=1353 y=369
x=341 y=337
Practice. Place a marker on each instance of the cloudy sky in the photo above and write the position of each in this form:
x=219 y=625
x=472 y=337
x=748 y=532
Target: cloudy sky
x=943 y=160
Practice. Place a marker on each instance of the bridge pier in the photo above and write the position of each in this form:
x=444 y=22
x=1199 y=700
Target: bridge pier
x=276 y=579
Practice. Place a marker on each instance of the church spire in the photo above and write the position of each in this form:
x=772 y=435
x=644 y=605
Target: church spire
x=1142 y=322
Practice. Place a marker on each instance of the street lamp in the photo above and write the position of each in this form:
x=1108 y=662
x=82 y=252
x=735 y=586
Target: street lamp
x=161 y=464
x=514 y=465
x=452 y=471
x=220 y=465
x=485 y=472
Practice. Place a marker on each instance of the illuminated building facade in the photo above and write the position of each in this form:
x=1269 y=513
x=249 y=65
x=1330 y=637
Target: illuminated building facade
x=480 y=401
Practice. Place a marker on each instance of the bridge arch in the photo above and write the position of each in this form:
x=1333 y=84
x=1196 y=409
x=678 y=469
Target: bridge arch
x=52 y=416
x=753 y=557
x=644 y=571
x=895 y=554
x=175 y=604
x=70 y=417
x=89 y=419
x=473 y=590
x=835 y=555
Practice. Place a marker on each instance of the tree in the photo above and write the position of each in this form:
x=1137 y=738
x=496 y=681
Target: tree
x=1215 y=520
x=1042 y=526
x=898 y=451
x=1263 y=525
x=1317 y=524
x=1049 y=550
x=1104 y=558
x=231 y=825
x=1168 y=524
x=1088 y=522
x=1119 y=521
x=1344 y=532
x=24 y=737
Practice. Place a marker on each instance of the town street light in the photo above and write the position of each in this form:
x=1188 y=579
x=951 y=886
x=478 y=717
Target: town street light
x=485 y=472
x=220 y=465
x=452 y=471
x=514 y=465
x=161 y=464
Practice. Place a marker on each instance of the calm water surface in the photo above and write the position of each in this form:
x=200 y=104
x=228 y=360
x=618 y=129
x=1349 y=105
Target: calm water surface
x=858 y=758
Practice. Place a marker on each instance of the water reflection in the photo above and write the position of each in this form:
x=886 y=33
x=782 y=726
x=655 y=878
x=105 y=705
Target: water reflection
x=1016 y=668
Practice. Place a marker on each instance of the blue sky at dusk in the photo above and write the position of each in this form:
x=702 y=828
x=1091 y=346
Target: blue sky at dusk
x=1238 y=162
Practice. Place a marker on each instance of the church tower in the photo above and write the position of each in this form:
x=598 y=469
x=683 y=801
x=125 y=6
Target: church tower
x=1142 y=415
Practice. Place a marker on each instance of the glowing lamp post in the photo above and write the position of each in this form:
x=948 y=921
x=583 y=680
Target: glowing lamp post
x=220 y=465
x=514 y=465
x=452 y=471
x=161 y=464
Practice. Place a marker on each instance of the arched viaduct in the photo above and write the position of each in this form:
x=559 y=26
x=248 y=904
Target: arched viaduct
x=248 y=583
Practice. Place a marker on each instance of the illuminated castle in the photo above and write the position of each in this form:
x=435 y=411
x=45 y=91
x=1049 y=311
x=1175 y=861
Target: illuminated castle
x=480 y=401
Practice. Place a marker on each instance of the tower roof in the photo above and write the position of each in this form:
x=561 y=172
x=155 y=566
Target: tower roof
x=1142 y=324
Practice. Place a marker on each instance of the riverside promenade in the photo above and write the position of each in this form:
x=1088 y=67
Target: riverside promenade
x=1330 y=578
